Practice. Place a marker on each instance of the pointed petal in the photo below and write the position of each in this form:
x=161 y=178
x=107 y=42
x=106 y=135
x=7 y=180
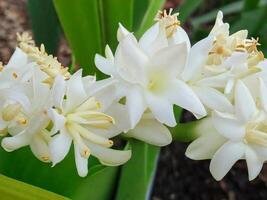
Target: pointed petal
x=244 y=103
x=60 y=146
x=135 y=105
x=182 y=95
x=162 y=109
x=15 y=142
x=202 y=148
x=214 y=99
x=18 y=58
x=152 y=132
x=220 y=27
x=58 y=91
x=254 y=163
x=197 y=58
x=130 y=60
x=172 y=59
x=181 y=36
x=58 y=120
x=153 y=39
x=122 y=32
x=40 y=149
x=104 y=65
x=228 y=126
x=75 y=91
x=81 y=162
x=109 y=157
x=225 y=158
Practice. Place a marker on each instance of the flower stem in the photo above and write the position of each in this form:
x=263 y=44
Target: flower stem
x=185 y=132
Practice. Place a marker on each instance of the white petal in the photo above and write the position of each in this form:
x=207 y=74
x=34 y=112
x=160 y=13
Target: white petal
x=109 y=54
x=58 y=91
x=197 y=58
x=172 y=59
x=130 y=60
x=153 y=39
x=254 y=163
x=81 y=162
x=152 y=132
x=263 y=94
x=104 y=65
x=58 y=120
x=18 y=58
x=135 y=105
x=214 y=99
x=228 y=126
x=182 y=95
x=220 y=27
x=205 y=146
x=59 y=146
x=107 y=156
x=15 y=142
x=181 y=36
x=40 y=149
x=162 y=109
x=244 y=102
x=225 y=158
x=216 y=81
x=75 y=91
x=122 y=32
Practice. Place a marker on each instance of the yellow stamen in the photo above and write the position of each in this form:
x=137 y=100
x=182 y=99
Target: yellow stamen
x=11 y=111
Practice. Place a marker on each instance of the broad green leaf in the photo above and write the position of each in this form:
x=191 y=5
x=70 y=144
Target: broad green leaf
x=81 y=23
x=187 y=8
x=11 y=189
x=115 y=11
x=137 y=174
x=61 y=179
x=140 y=8
x=45 y=24
x=148 y=19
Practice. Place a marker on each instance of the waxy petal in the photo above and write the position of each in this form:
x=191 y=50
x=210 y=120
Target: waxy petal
x=152 y=132
x=81 y=162
x=60 y=146
x=228 y=126
x=109 y=157
x=245 y=106
x=225 y=158
x=254 y=163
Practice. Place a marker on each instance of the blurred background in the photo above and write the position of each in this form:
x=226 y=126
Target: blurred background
x=177 y=177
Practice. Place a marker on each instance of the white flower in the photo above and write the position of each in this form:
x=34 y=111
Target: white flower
x=218 y=61
x=79 y=119
x=28 y=127
x=235 y=136
x=147 y=74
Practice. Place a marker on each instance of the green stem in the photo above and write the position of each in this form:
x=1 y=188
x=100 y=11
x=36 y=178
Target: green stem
x=185 y=132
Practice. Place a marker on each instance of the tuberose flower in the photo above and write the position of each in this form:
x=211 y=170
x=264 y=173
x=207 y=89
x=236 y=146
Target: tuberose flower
x=147 y=74
x=234 y=136
x=78 y=118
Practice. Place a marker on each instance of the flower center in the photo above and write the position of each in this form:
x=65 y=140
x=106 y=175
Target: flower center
x=256 y=132
x=84 y=117
x=168 y=21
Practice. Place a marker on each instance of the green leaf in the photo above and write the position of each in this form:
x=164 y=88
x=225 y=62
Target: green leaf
x=148 y=19
x=61 y=179
x=82 y=26
x=115 y=11
x=138 y=173
x=187 y=8
x=11 y=189
x=45 y=24
x=250 y=4
x=140 y=8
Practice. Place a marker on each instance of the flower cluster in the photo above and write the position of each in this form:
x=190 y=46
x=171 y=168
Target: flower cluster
x=221 y=78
